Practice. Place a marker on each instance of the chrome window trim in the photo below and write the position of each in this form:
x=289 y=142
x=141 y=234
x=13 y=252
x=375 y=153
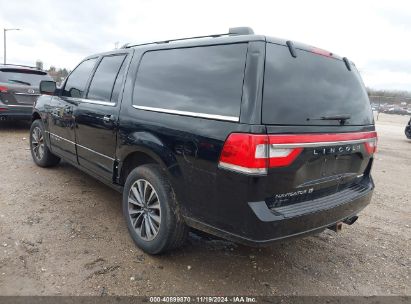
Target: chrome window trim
x=187 y=113
x=91 y=101
x=77 y=145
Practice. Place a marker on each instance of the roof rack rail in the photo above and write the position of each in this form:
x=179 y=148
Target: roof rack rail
x=231 y=32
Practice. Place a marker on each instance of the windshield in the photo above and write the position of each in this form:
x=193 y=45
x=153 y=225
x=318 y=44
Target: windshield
x=312 y=90
x=23 y=77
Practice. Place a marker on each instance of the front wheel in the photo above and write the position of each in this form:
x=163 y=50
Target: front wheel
x=151 y=211
x=41 y=154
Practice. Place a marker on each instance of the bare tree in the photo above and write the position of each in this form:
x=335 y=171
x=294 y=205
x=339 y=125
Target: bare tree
x=39 y=64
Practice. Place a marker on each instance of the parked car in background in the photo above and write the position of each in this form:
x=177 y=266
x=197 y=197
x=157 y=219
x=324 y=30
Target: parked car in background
x=400 y=110
x=19 y=89
x=394 y=109
x=408 y=129
x=247 y=137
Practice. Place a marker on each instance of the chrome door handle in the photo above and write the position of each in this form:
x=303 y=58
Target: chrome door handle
x=108 y=118
x=68 y=110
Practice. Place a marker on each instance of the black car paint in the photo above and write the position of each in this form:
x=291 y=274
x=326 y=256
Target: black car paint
x=188 y=150
x=408 y=129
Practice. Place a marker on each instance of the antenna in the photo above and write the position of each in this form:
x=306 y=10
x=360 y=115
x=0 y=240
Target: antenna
x=244 y=30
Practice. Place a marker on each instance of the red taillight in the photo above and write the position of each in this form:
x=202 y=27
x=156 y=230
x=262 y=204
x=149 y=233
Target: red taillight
x=240 y=151
x=4 y=89
x=282 y=157
x=321 y=52
x=318 y=139
x=254 y=154
x=371 y=146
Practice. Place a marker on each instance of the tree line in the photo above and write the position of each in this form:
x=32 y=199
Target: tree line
x=58 y=74
x=389 y=96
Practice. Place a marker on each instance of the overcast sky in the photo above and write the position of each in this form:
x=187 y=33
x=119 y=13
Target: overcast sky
x=376 y=35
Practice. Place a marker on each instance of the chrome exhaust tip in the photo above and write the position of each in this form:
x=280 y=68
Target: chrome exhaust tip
x=337 y=227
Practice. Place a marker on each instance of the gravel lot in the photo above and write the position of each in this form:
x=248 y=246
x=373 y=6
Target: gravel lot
x=62 y=233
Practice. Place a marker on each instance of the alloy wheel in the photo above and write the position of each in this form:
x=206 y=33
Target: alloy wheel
x=37 y=143
x=144 y=209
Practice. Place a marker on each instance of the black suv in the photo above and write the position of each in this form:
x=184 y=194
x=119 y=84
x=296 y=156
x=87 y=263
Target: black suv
x=408 y=129
x=19 y=89
x=243 y=136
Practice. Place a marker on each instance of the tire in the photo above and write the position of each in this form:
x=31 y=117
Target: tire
x=155 y=225
x=41 y=154
x=408 y=132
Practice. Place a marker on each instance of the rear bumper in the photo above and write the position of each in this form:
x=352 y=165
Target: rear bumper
x=264 y=226
x=15 y=112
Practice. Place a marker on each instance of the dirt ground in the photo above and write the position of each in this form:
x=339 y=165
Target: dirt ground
x=62 y=233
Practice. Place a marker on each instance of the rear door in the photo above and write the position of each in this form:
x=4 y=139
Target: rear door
x=96 y=116
x=319 y=121
x=61 y=113
x=184 y=104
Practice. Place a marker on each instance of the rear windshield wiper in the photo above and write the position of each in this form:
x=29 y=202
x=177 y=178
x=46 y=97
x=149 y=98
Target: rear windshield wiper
x=19 y=81
x=340 y=117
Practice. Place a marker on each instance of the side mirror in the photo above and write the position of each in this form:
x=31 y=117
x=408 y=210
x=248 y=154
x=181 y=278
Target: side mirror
x=76 y=93
x=47 y=87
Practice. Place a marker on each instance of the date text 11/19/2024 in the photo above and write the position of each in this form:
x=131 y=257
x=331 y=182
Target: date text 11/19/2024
x=203 y=299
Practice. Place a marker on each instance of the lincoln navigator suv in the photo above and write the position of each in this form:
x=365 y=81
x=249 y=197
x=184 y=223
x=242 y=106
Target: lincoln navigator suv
x=247 y=137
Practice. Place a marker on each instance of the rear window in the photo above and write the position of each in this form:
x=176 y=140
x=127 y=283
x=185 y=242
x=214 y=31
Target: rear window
x=23 y=77
x=302 y=90
x=202 y=80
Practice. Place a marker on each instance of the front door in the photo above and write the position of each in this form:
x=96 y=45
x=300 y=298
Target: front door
x=61 y=128
x=61 y=113
x=97 y=116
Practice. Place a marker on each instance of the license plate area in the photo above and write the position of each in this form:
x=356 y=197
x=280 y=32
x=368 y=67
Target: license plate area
x=25 y=99
x=336 y=164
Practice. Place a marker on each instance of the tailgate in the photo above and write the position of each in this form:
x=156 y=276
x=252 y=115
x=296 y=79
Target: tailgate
x=319 y=124
x=24 y=95
x=310 y=166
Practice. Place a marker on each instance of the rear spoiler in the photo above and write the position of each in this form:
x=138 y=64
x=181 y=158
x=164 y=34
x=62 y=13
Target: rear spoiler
x=26 y=71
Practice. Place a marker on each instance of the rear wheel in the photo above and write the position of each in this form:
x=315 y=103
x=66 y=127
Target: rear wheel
x=151 y=211
x=41 y=154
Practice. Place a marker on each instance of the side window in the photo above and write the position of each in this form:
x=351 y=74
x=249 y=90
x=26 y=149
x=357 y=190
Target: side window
x=206 y=80
x=77 y=81
x=102 y=84
x=118 y=83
